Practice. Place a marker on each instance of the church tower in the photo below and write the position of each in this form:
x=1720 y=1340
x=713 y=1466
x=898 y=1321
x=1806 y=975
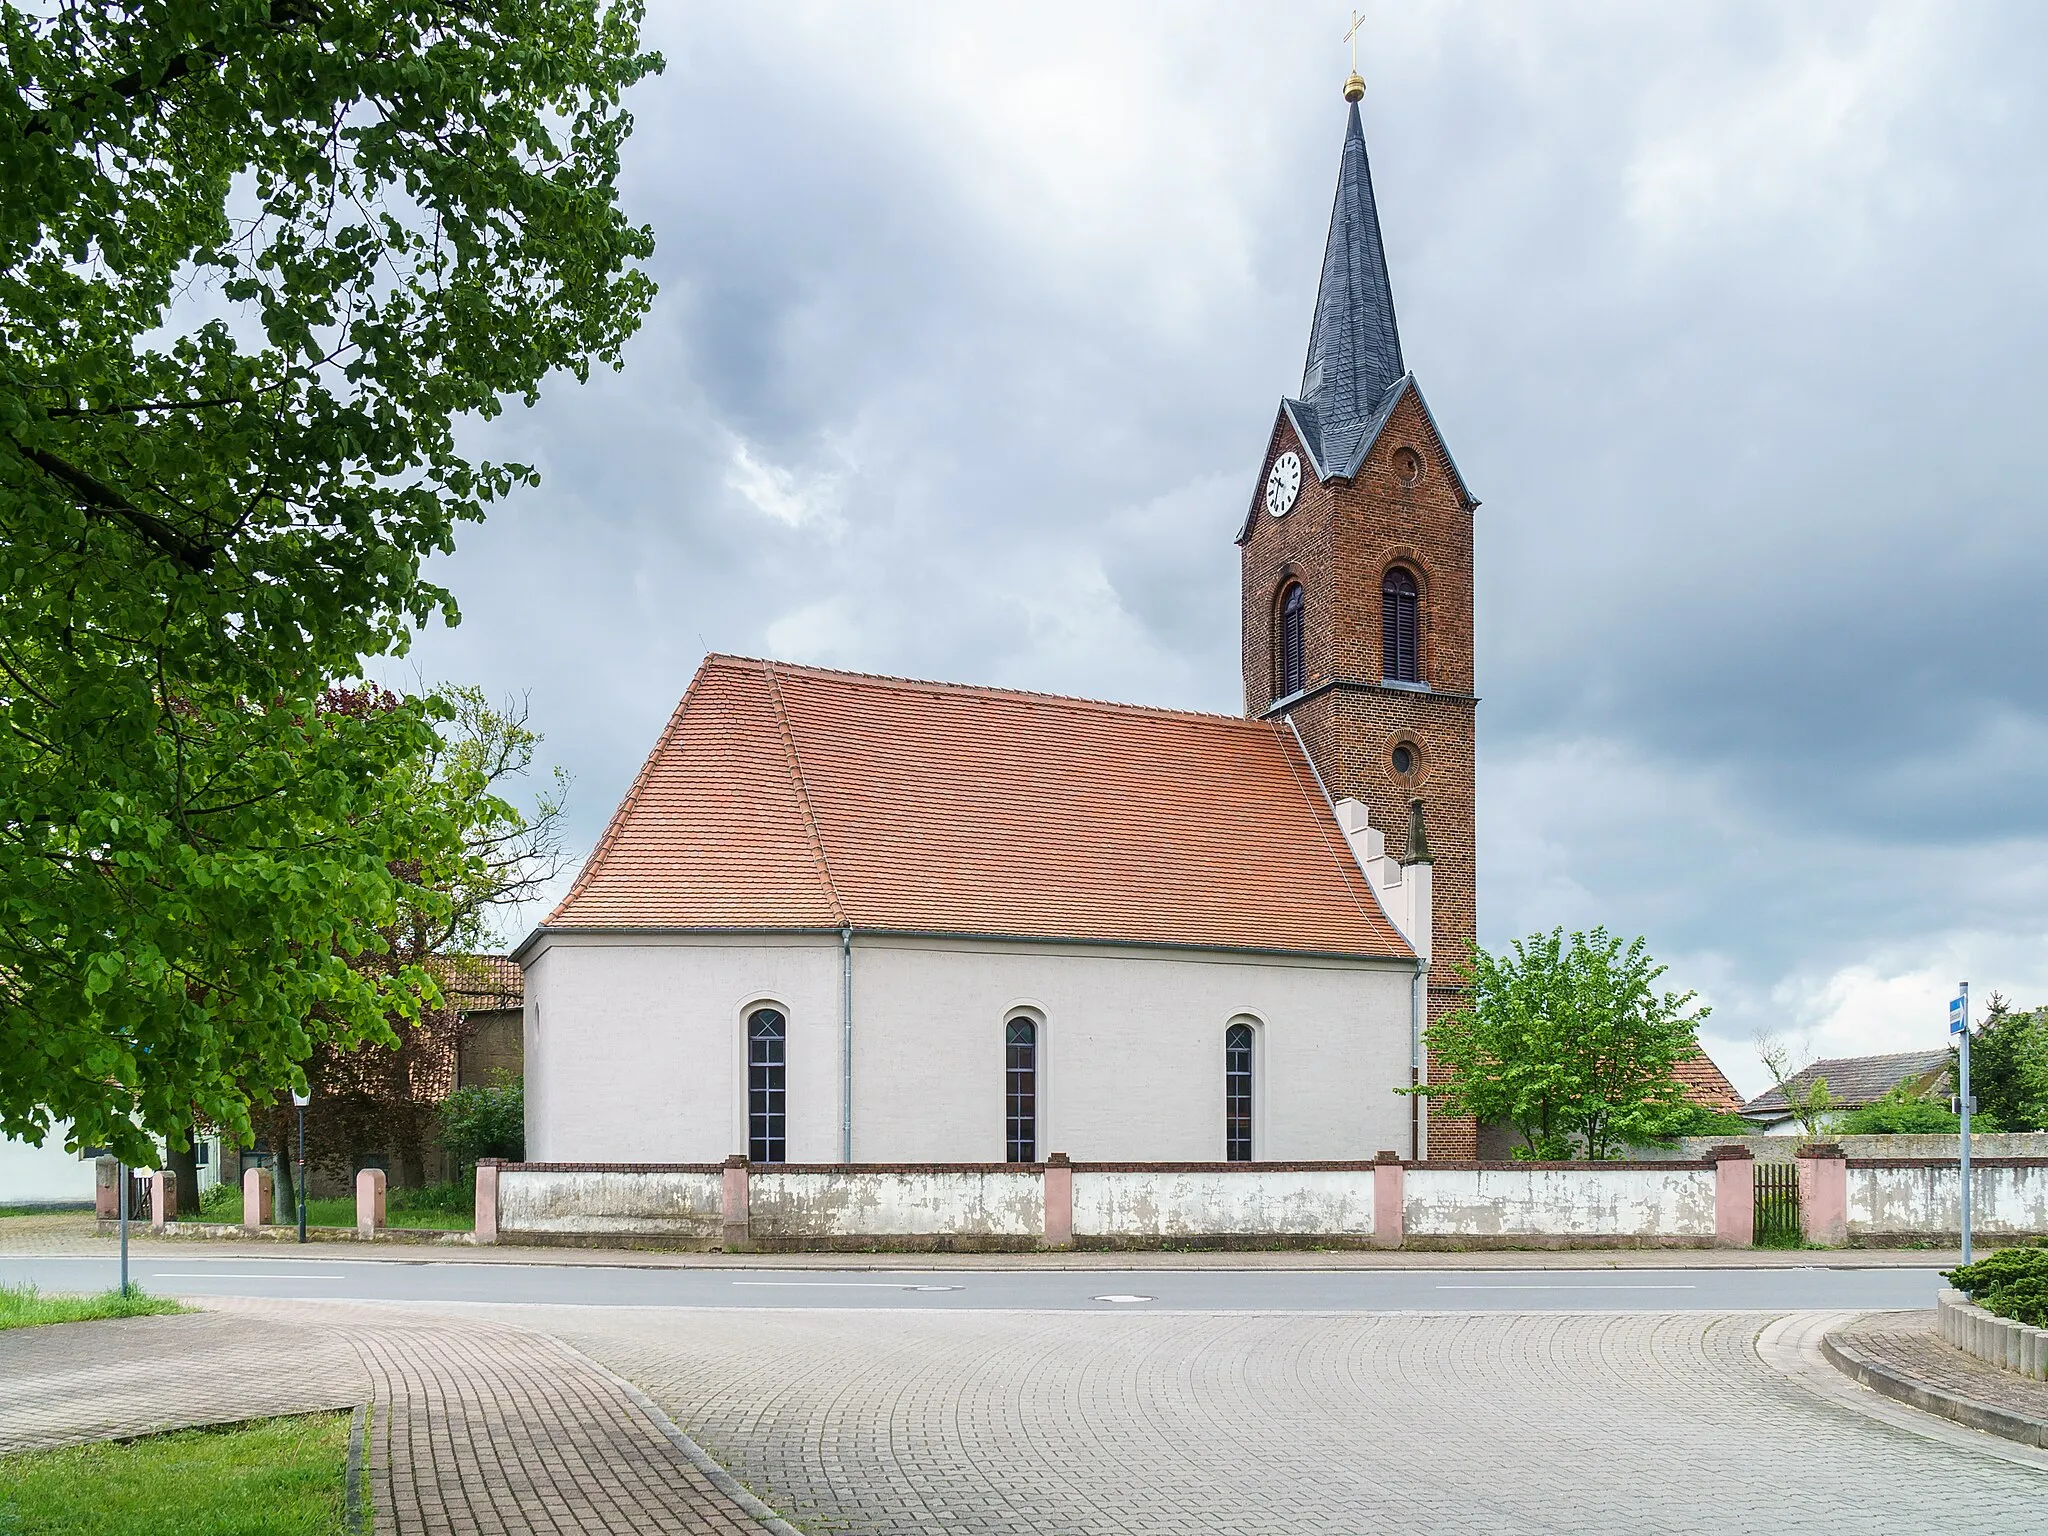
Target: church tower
x=1357 y=585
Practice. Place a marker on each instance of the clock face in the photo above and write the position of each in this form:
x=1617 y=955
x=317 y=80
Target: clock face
x=1283 y=484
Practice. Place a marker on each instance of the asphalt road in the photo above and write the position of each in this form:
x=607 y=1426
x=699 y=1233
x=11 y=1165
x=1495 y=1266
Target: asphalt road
x=1196 y=1290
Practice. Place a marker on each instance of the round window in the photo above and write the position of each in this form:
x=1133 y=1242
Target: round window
x=1404 y=758
x=1407 y=465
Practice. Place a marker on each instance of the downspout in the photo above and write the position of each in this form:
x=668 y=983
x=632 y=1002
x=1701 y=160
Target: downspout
x=1418 y=1003
x=846 y=1044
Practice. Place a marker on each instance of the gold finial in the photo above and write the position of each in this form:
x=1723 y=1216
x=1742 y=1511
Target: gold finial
x=1354 y=86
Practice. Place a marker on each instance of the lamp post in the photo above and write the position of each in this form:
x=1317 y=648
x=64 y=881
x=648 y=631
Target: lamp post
x=302 y=1100
x=1959 y=1026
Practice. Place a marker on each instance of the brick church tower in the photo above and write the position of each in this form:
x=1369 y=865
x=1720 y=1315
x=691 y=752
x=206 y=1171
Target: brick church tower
x=1357 y=585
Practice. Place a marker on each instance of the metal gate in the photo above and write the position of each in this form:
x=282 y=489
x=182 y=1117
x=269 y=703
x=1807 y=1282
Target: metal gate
x=1777 y=1203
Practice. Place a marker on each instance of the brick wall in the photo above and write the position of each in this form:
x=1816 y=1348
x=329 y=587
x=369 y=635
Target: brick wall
x=1338 y=541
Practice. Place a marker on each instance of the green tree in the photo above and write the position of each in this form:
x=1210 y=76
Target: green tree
x=1907 y=1112
x=1811 y=1102
x=1568 y=1042
x=2008 y=1067
x=485 y=1120
x=259 y=259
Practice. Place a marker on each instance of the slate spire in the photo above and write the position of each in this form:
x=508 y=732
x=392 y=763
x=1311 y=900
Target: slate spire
x=1354 y=350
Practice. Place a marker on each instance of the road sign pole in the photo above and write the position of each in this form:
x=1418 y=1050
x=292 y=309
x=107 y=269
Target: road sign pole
x=1963 y=1092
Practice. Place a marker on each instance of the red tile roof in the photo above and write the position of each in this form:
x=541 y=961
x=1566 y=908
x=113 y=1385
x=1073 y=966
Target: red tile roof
x=782 y=796
x=1705 y=1083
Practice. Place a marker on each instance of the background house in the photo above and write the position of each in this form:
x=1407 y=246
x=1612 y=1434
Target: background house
x=1853 y=1081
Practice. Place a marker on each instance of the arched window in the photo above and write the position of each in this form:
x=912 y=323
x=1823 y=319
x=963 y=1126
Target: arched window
x=1020 y=1090
x=1400 y=649
x=1237 y=1093
x=1291 y=671
x=767 y=1038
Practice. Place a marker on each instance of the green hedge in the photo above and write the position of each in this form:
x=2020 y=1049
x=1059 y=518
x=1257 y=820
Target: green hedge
x=2013 y=1282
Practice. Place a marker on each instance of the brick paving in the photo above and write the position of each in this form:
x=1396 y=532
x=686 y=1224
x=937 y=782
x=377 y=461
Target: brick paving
x=475 y=1429
x=973 y=1423
x=1907 y=1342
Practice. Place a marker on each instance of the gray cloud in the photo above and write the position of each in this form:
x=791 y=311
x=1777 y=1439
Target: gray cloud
x=972 y=328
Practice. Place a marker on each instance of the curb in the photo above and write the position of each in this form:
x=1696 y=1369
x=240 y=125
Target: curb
x=697 y=1456
x=1917 y=1394
x=355 y=1504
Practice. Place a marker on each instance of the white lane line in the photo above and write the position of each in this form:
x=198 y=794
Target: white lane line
x=848 y=1285
x=1126 y=1300
x=1567 y=1287
x=237 y=1274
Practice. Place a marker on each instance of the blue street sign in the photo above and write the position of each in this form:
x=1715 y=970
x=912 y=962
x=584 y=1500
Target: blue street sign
x=1958 y=1016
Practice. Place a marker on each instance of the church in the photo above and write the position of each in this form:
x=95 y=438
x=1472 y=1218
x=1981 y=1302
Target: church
x=841 y=918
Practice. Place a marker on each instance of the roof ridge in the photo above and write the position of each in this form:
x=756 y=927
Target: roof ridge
x=803 y=793
x=985 y=690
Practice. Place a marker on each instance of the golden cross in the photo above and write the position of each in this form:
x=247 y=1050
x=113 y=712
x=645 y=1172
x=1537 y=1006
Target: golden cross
x=1351 y=37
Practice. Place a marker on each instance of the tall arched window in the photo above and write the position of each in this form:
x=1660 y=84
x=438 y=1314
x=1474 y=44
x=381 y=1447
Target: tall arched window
x=767 y=1038
x=1020 y=1090
x=1237 y=1093
x=1400 y=648
x=1291 y=672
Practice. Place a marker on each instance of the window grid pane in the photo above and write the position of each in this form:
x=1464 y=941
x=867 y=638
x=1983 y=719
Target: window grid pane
x=1020 y=1084
x=1293 y=663
x=1237 y=1093
x=766 y=1086
x=1400 y=628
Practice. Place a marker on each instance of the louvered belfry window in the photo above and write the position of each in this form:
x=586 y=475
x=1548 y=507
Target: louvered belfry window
x=1020 y=1090
x=1237 y=1093
x=1400 y=647
x=767 y=1118
x=1292 y=672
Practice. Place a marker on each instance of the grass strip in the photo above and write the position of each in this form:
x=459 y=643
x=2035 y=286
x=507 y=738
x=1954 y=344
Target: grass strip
x=341 y=1212
x=273 y=1477
x=23 y=1306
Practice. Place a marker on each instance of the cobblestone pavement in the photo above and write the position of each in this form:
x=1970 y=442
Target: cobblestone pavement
x=1909 y=1344
x=474 y=1427
x=984 y=1423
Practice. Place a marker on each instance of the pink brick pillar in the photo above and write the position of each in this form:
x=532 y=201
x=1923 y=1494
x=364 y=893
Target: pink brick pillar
x=257 y=1198
x=163 y=1199
x=1389 y=1200
x=1734 y=1197
x=487 y=1200
x=1059 y=1201
x=369 y=1203
x=106 y=1189
x=1823 y=1194
x=736 y=1173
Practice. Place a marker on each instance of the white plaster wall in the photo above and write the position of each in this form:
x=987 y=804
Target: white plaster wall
x=611 y=1202
x=1175 y=1203
x=1559 y=1202
x=892 y=1202
x=634 y=1051
x=45 y=1175
x=1131 y=1053
x=1916 y=1201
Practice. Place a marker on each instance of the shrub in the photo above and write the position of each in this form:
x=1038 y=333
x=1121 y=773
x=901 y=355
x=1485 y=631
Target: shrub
x=487 y=1120
x=1903 y=1112
x=458 y=1196
x=2013 y=1282
x=217 y=1200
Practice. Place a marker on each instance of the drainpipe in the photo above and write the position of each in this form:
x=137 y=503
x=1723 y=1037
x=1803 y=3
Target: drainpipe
x=1418 y=1003
x=846 y=1044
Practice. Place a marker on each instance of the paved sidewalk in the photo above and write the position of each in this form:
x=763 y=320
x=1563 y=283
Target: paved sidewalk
x=74 y=1234
x=1903 y=1355
x=476 y=1429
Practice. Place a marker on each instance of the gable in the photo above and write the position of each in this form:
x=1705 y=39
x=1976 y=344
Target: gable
x=796 y=797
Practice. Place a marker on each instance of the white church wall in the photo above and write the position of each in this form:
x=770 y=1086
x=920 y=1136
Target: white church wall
x=1588 y=1201
x=45 y=1175
x=1131 y=1051
x=635 y=1049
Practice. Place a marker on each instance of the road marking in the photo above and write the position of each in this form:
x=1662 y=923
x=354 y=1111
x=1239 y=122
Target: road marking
x=1126 y=1299
x=1567 y=1287
x=239 y=1274
x=849 y=1285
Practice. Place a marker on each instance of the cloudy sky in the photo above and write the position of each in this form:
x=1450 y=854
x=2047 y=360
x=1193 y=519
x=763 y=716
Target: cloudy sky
x=972 y=324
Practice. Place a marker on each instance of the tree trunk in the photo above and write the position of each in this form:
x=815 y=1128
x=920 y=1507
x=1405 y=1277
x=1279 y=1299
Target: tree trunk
x=184 y=1168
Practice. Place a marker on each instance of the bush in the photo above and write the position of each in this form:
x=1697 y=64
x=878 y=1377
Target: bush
x=486 y=1121
x=458 y=1197
x=1905 y=1113
x=2013 y=1282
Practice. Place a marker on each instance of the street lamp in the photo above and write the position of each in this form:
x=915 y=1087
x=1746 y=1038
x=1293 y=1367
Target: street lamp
x=302 y=1100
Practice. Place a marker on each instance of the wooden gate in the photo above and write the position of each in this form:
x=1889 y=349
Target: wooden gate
x=1777 y=1203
